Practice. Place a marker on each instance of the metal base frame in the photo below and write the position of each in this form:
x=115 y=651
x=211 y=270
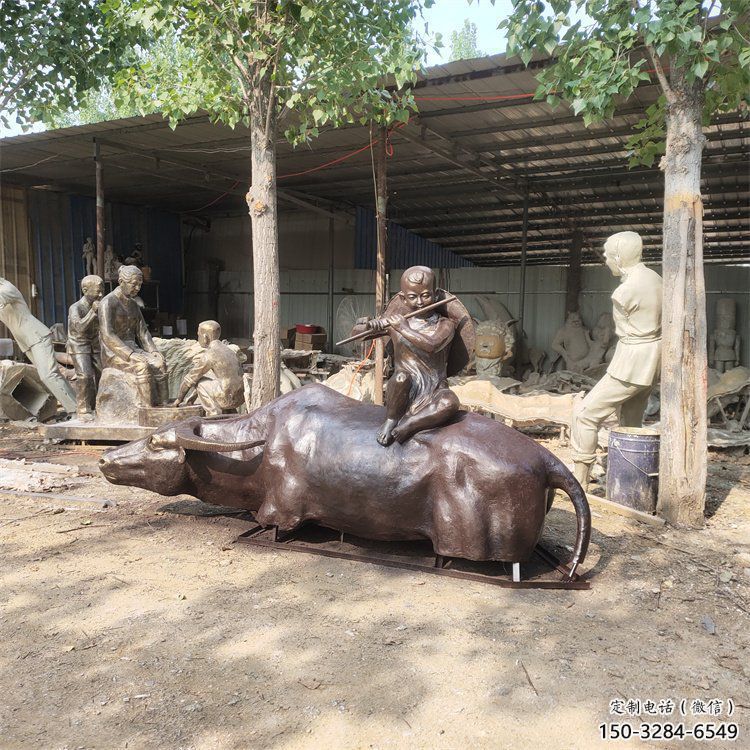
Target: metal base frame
x=271 y=538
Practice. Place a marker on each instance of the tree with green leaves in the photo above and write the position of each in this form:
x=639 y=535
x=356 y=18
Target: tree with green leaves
x=51 y=53
x=271 y=64
x=464 y=42
x=700 y=55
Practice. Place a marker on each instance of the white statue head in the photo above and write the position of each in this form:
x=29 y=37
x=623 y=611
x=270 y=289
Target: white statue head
x=622 y=251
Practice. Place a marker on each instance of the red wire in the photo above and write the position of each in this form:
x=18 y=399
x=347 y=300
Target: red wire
x=215 y=200
x=389 y=145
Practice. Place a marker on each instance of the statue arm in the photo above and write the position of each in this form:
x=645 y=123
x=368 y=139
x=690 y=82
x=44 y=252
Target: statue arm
x=558 y=343
x=108 y=334
x=80 y=324
x=144 y=336
x=200 y=367
x=433 y=342
x=362 y=325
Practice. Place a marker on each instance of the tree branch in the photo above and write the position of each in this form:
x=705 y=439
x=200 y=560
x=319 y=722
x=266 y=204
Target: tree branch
x=656 y=62
x=12 y=90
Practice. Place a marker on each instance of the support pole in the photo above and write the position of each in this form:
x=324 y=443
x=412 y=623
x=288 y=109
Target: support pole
x=524 y=246
x=573 y=286
x=381 y=265
x=331 y=321
x=99 y=211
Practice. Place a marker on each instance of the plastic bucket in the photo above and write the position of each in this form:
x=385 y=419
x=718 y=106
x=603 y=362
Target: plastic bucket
x=633 y=468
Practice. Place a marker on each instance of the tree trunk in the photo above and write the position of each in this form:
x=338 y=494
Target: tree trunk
x=573 y=286
x=261 y=202
x=683 y=456
x=381 y=263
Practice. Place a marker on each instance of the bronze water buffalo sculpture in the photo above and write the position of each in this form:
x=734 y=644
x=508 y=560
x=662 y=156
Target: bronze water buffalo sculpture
x=476 y=488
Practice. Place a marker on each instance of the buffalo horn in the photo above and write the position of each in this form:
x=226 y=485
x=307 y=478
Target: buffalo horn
x=193 y=442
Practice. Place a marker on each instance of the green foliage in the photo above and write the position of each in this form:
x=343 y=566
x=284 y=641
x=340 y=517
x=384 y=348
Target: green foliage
x=326 y=60
x=604 y=48
x=99 y=104
x=464 y=42
x=51 y=52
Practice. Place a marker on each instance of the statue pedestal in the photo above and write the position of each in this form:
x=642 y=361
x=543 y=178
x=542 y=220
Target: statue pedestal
x=157 y=416
x=117 y=399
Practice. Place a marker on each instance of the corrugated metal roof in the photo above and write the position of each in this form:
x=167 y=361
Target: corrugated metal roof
x=455 y=176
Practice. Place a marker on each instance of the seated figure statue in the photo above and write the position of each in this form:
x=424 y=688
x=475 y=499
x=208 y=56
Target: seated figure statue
x=424 y=348
x=216 y=374
x=126 y=343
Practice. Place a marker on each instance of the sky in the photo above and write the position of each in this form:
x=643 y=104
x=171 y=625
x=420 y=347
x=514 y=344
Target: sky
x=448 y=15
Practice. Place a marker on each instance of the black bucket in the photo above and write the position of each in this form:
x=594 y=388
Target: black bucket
x=633 y=468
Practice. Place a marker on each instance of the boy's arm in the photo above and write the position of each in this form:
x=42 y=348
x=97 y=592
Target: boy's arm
x=432 y=342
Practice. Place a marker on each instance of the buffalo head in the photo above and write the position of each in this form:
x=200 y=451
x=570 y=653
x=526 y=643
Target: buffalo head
x=158 y=462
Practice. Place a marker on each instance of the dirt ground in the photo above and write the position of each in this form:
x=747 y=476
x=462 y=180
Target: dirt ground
x=145 y=626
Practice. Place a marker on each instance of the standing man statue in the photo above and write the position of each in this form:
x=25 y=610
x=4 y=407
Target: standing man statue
x=635 y=367
x=89 y=257
x=216 y=374
x=83 y=344
x=424 y=350
x=126 y=344
x=35 y=341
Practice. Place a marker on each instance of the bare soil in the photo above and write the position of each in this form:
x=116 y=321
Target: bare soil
x=145 y=626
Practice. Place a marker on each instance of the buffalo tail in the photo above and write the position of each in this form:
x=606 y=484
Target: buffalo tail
x=559 y=477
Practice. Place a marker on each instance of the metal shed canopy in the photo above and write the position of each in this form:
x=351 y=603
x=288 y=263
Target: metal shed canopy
x=459 y=173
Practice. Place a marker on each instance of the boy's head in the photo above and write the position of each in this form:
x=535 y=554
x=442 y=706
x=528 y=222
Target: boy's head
x=418 y=287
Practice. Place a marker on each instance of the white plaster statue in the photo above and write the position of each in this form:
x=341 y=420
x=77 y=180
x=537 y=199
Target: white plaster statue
x=724 y=342
x=216 y=374
x=494 y=345
x=572 y=342
x=89 y=257
x=111 y=264
x=635 y=367
x=602 y=337
x=35 y=340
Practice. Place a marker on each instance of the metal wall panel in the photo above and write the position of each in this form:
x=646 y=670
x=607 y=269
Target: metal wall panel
x=60 y=224
x=304 y=297
x=16 y=259
x=56 y=258
x=404 y=247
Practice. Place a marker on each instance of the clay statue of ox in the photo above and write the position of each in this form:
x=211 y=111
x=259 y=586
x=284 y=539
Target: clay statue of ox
x=476 y=488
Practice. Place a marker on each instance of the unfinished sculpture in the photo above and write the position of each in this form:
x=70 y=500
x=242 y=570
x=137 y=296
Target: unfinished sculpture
x=531 y=410
x=495 y=345
x=83 y=344
x=724 y=342
x=634 y=369
x=88 y=253
x=35 y=341
x=427 y=348
x=23 y=395
x=216 y=374
x=133 y=366
x=572 y=342
x=476 y=488
x=111 y=264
